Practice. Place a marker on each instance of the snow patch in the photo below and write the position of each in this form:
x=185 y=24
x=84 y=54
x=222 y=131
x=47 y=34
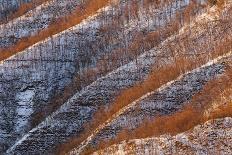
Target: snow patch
x=25 y=107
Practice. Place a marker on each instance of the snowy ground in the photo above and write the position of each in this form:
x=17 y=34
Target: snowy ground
x=7 y=6
x=213 y=137
x=35 y=20
x=169 y=98
x=47 y=67
x=69 y=119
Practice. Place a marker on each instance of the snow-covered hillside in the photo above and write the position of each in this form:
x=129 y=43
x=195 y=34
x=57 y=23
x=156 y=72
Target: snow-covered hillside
x=168 y=99
x=9 y=6
x=35 y=20
x=30 y=78
x=212 y=137
x=70 y=118
x=52 y=87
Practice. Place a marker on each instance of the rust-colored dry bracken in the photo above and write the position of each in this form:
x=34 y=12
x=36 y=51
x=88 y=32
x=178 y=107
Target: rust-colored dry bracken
x=61 y=24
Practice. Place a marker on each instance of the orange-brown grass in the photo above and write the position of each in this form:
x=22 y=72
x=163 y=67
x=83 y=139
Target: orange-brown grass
x=157 y=77
x=81 y=12
x=176 y=123
x=106 y=64
x=60 y=25
x=219 y=3
x=222 y=112
x=191 y=115
x=154 y=81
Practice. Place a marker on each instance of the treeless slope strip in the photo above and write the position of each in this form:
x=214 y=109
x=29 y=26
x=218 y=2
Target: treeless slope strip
x=91 y=7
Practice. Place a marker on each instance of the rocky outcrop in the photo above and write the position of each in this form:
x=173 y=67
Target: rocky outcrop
x=212 y=137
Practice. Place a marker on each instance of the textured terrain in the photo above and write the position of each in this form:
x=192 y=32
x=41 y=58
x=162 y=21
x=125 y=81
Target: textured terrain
x=31 y=77
x=35 y=20
x=212 y=137
x=51 y=90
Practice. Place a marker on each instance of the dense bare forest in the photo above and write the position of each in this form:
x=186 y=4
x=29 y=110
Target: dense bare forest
x=96 y=76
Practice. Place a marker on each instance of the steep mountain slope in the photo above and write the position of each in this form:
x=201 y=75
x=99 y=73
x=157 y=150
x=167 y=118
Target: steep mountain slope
x=212 y=137
x=75 y=74
x=70 y=118
x=31 y=78
x=169 y=98
x=35 y=20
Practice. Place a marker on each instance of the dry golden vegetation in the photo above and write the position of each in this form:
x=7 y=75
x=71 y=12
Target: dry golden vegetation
x=219 y=3
x=82 y=12
x=217 y=91
x=140 y=43
x=158 y=77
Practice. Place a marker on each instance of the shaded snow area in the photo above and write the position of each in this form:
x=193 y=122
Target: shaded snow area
x=167 y=99
x=35 y=20
x=9 y=6
x=80 y=108
x=31 y=78
x=212 y=137
x=48 y=66
x=24 y=108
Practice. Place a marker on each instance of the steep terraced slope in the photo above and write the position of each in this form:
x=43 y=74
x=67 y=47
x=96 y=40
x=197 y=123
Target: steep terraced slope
x=169 y=98
x=35 y=20
x=69 y=119
x=31 y=78
x=88 y=9
x=212 y=137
